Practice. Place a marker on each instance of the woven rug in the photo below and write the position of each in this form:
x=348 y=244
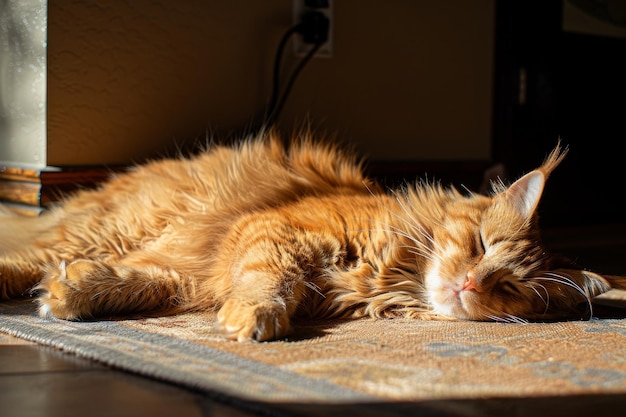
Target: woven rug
x=367 y=366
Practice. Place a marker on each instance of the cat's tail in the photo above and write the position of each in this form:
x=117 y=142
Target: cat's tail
x=17 y=231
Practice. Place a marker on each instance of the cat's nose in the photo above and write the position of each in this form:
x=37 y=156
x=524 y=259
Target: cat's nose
x=470 y=282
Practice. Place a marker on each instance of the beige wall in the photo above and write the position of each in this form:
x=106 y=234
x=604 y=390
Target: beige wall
x=127 y=79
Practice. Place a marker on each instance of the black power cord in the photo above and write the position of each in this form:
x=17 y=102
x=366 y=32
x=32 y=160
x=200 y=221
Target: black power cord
x=313 y=27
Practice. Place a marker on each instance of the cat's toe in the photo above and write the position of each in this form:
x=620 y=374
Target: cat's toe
x=242 y=321
x=83 y=270
x=53 y=292
x=62 y=294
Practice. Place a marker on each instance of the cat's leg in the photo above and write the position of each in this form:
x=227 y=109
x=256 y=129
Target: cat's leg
x=265 y=264
x=260 y=306
x=86 y=289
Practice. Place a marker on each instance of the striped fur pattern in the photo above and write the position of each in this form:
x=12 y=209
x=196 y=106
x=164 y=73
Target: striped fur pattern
x=263 y=233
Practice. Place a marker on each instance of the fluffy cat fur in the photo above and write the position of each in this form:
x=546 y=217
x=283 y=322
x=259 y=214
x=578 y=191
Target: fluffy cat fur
x=263 y=233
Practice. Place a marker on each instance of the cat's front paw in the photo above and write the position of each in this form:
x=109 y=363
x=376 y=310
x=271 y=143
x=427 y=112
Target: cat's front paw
x=63 y=291
x=244 y=320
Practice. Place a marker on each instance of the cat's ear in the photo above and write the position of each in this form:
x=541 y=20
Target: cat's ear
x=525 y=193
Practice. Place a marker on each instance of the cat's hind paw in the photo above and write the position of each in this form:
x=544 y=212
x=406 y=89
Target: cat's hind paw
x=244 y=320
x=63 y=292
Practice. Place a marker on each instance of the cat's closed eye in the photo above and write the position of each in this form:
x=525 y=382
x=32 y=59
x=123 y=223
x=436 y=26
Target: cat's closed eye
x=479 y=246
x=510 y=287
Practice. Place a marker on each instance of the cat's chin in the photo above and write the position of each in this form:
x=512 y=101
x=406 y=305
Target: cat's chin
x=450 y=303
x=449 y=300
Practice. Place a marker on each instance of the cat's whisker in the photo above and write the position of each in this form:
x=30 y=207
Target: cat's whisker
x=578 y=288
x=565 y=280
x=506 y=318
x=533 y=285
x=422 y=232
x=420 y=253
x=516 y=319
x=400 y=232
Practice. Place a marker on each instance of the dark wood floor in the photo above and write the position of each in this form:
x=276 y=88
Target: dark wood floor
x=40 y=381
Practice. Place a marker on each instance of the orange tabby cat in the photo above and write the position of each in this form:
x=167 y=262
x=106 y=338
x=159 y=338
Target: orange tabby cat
x=262 y=234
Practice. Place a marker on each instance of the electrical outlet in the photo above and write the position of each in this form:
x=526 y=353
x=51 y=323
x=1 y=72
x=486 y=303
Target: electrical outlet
x=301 y=7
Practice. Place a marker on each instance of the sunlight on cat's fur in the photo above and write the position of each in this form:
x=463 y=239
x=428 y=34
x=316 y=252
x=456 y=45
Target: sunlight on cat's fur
x=262 y=233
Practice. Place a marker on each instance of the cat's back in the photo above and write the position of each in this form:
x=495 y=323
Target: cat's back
x=263 y=171
x=260 y=171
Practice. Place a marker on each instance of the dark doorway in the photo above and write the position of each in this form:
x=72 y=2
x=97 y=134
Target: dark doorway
x=553 y=83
